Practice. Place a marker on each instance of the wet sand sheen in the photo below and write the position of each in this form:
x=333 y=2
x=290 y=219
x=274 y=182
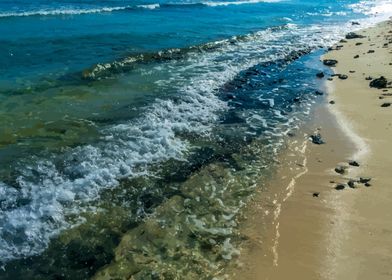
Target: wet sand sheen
x=323 y=233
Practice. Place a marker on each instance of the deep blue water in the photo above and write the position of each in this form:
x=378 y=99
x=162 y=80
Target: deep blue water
x=97 y=93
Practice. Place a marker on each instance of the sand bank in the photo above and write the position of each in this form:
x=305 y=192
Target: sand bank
x=319 y=232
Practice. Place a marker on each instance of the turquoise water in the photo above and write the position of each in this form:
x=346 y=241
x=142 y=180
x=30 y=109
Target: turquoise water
x=112 y=110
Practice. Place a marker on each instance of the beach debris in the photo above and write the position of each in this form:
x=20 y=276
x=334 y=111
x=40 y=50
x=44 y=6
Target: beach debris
x=320 y=75
x=379 y=83
x=342 y=76
x=330 y=62
x=364 y=180
x=316 y=194
x=356 y=56
x=340 y=169
x=358 y=43
x=317 y=139
x=353 y=163
x=353 y=35
x=340 y=187
x=386 y=104
x=332 y=102
x=351 y=184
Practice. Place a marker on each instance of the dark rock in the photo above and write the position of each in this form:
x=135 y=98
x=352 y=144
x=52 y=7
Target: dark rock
x=330 y=79
x=320 y=75
x=369 y=78
x=352 y=71
x=356 y=56
x=364 y=180
x=379 y=83
x=358 y=43
x=316 y=194
x=353 y=35
x=368 y=185
x=297 y=99
x=370 y=51
x=340 y=169
x=332 y=102
x=339 y=187
x=355 y=23
x=330 y=62
x=386 y=104
x=353 y=163
x=319 y=92
x=343 y=41
x=351 y=184
x=343 y=76
x=317 y=139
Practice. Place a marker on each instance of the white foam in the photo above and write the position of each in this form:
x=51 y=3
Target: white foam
x=149 y=6
x=227 y=3
x=63 y=11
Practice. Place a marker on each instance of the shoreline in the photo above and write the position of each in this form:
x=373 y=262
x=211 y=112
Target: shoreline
x=332 y=236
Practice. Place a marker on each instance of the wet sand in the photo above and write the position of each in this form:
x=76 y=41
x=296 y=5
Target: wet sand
x=319 y=232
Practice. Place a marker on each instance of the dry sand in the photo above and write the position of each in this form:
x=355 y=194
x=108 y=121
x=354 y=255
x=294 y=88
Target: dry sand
x=344 y=234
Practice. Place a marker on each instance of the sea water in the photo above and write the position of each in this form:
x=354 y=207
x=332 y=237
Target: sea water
x=114 y=114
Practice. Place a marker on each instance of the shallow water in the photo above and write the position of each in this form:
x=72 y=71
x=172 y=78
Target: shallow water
x=110 y=113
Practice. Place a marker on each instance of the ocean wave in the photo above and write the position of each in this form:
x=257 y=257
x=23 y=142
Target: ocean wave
x=63 y=11
x=153 y=6
x=228 y=3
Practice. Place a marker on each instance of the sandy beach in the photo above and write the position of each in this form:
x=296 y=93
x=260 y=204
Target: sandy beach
x=331 y=208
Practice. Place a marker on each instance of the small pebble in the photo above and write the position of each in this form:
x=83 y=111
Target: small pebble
x=353 y=163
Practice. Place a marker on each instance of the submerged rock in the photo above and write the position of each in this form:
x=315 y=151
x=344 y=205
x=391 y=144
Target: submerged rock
x=319 y=92
x=379 y=83
x=320 y=75
x=317 y=139
x=330 y=62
